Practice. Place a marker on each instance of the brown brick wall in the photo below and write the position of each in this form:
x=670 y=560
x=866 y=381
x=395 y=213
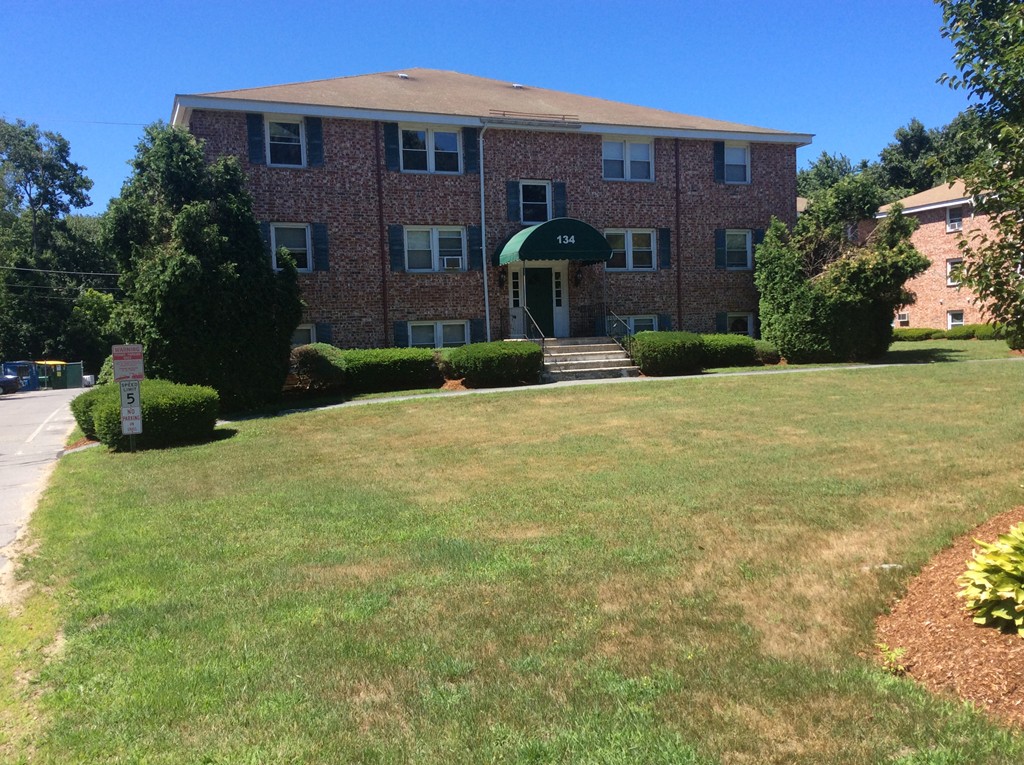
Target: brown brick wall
x=344 y=194
x=935 y=298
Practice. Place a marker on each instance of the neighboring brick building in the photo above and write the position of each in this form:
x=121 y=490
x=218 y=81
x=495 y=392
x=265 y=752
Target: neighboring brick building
x=400 y=193
x=946 y=215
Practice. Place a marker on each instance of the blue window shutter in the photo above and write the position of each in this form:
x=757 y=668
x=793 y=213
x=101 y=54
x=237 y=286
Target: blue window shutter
x=391 y=146
x=401 y=334
x=265 y=236
x=323 y=332
x=314 y=142
x=757 y=326
x=257 y=150
x=664 y=322
x=475 y=247
x=470 y=150
x=396 y=248
x=321 y=261
x=477 y=331
x=720 y=259
x=664 y=248
x=513 y=201
x=756 y=237
x=719 y=161
x=600 y=326
x=722 y=323
x=558 y=204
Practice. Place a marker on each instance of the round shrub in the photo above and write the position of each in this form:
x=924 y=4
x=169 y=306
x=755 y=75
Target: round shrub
x=172 y=414
x=668 y=353
x=83 y=405
x=1015 y=337
x=916 y=334
x=985 y=332
x=993 y=584
x=766 y=353
x=728 y=351
x=384 y=369
x=490 y=365
x=318 y=367
x=963 y=332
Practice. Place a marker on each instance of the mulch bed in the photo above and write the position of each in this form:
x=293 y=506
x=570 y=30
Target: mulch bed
x=945 y=650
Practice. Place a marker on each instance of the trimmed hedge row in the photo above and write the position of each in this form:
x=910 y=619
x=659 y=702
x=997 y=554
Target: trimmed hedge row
x=668 y=353
x=729 y=351
x=487 y=365
x=172 y=414
x=964 y=332
x=383 y=369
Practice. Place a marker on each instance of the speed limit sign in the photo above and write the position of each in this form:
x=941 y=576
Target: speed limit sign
x=131 y=407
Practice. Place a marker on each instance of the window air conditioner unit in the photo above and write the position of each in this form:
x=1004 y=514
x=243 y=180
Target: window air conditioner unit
x=955 y=225
x=451 y=263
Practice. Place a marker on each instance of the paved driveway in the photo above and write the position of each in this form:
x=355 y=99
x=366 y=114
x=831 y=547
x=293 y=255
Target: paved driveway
x=33 y=427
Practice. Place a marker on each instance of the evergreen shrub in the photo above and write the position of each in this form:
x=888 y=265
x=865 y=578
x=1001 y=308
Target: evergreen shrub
x=318 y=367
x=385 y=369
x=83 y=404
x=172 y=414
x=668 y=353
x=488 y=365
x=766 y=353
x=916 y=334
x=729 y=351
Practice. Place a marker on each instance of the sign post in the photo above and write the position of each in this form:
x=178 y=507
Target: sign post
x=129 y=373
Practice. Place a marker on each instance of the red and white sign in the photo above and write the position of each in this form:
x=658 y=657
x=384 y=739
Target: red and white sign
x=127 y=362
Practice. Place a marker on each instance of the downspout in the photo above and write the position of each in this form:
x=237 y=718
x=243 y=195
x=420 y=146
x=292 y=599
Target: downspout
x=483 y=236
x=384 y=264
x=679 y=248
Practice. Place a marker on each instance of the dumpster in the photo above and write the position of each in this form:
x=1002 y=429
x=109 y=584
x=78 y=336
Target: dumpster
x=74 y=374
x=26 y=371
x=52 y=374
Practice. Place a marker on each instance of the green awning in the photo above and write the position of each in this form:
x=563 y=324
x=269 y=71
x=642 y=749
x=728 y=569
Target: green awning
x=558 y=239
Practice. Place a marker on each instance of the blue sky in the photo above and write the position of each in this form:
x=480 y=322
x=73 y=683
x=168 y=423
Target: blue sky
x=97 y=71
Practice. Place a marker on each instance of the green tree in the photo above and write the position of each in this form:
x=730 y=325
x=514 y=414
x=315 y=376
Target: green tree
x=988 y=40
x=827 y=298
x=200 y=293
x=824 y=173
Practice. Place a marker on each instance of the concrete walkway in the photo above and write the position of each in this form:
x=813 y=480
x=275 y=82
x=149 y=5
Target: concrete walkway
x=33 y=427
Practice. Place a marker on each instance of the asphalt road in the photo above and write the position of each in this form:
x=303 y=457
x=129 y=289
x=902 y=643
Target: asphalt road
x=33 y=427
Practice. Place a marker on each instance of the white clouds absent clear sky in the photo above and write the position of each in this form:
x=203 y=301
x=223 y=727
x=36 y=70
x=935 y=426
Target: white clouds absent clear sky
x=96 y=71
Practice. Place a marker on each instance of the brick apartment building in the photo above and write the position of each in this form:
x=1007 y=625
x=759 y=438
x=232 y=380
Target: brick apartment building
x=946 y=215
x=432 y=208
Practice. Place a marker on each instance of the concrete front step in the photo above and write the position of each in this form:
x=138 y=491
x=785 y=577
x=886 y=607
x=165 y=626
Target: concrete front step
x=602 y=373
x=583 y=358
x=606 y=354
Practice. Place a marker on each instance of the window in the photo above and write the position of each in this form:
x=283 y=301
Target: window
x=954 y=319
x=737 y=250
x=304 y=334
x=952 y=265
x=954 y=219
x=430 y=151
x=286 y=143
x=740 y=324
x=295 y=239
x=632 y=250
x=629 y=325
x=435 y=249
x=737 y=163
x=903 y=319
x=535 y=201
x=438 y=334
x=627 y=160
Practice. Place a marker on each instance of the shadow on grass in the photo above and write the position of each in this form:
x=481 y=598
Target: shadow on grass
x=922 y=356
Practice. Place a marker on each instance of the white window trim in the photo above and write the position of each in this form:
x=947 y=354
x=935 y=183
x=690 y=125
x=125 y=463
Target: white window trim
x=631 y=322
x=438 y=331
x=956 y=227
x=737 y=314
x=522 y=206
x=312 y=332
x=626 y=170
x=274 y=248
x=436 y=266
x=750 y=249
x=949 y=319
x=430 y=130
x=267 y=119
x=952 y=263
x=628 y=236
x=737 y=145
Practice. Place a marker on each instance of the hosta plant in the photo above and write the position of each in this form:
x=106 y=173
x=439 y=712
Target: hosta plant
x=993 y=584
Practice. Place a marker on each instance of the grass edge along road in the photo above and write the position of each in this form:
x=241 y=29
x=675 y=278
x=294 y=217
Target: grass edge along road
x=655 y=573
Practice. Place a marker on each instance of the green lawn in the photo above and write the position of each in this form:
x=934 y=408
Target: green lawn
x=656 y=572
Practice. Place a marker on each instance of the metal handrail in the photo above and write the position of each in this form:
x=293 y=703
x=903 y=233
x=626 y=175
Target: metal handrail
x=535 y=326
x=629 y=332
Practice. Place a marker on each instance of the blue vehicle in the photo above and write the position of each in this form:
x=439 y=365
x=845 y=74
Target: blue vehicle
x=24 y=371
x=10 y=384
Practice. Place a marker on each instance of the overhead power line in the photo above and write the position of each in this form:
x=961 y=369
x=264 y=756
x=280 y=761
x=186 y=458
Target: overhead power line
x=55 y=271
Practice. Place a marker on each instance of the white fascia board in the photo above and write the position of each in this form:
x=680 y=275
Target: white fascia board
x=184 y=104
x=933 y=206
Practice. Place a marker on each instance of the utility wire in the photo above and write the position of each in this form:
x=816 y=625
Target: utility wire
x=55 y=271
